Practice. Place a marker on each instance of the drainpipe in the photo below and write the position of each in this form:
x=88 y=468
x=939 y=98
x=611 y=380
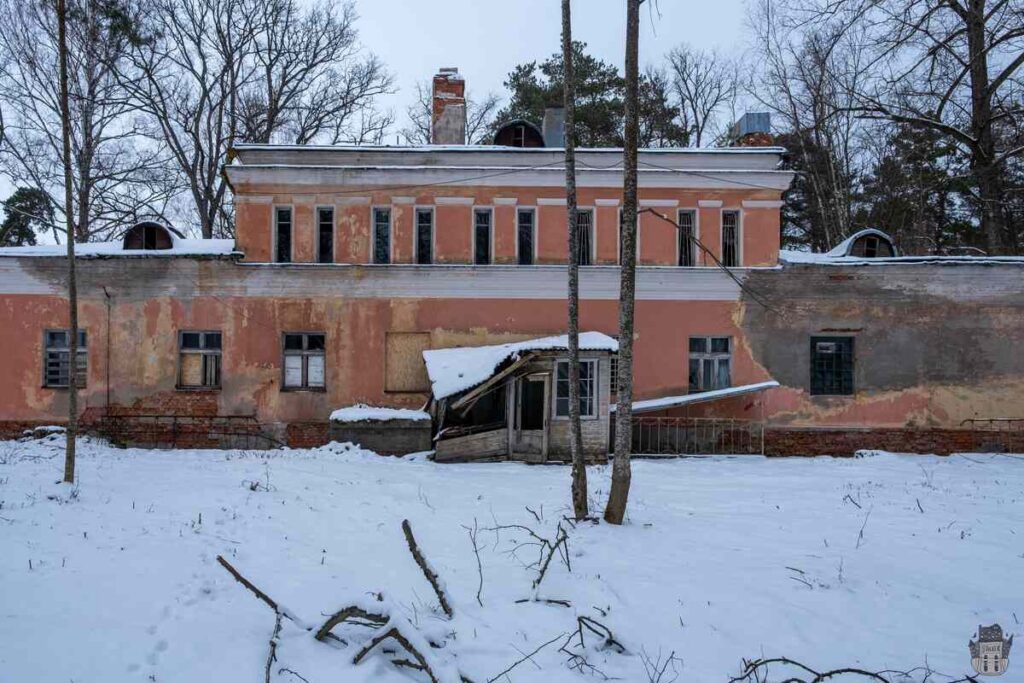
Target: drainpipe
x=106 y=408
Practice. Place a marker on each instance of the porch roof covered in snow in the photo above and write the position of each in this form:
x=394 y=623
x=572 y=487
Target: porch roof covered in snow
x=459 y=369
x=654 y=404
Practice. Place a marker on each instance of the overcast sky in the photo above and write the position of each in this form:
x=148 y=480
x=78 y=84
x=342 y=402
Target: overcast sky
x=485 y=39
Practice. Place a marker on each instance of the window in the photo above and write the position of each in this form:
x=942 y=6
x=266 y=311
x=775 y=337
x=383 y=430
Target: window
x=519 y=136
x=304 y=360
x=325 y=234
x=57 y=359
x=687 y=234
x=382 y=235
x=524 y=235
x=588 y=388
x=710 y=363
x=613 y=373
x=584 y=231
x=730 y=238
x=831 y=366
x=482 y=236
x=424 y=236
x=283 y=234
x=199 y=355
x=871 y=246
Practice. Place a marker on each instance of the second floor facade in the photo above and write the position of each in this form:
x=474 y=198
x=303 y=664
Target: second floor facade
x=490 y=205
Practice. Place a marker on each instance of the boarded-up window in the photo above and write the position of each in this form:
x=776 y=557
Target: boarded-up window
x=304 y=357
x=404 y=368
x=200 y=360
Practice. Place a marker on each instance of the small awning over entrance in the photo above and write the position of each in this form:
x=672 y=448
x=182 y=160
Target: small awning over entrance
x=666 y=402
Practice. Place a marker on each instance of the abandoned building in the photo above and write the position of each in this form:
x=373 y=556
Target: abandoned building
x=361 y=275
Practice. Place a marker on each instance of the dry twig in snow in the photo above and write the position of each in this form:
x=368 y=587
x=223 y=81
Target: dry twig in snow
x=426 y=568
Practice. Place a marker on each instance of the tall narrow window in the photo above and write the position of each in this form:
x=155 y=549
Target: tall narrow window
x=283 y=234
x=585 y=235
x=325 y=234
x=730 y=238
x=482 y=236
x=382 y=235
x=588 y=388
x=57 y=359
x=304 y=360
x=687 y=246
x=710 y=363
x=524 y=235
x=424 y=236
x=831 y=366
x=199 y=355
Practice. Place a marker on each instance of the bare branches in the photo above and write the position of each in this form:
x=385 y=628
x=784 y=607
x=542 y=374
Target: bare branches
x=705 y=83
x=525 y=658
x=546 y=548
x=472 y=531
x=425 y=567
x=756 y=671
x=480 y=113
x=272 y=654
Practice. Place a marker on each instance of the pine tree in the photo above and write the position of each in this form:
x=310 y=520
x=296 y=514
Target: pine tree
x=28 y=212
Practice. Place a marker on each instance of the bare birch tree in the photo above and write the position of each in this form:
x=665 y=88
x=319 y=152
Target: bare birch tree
x=115 y=179
x=479 y=117
x=705 y=85
x=615 y=510
x=579 y=465
x=64 y=105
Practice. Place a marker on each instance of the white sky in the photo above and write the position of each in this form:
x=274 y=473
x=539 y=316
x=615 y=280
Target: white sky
x=485 y=39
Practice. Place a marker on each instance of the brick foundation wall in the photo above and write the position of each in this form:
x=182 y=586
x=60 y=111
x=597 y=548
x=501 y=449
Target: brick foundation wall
x=307 y=434
x=841 y=442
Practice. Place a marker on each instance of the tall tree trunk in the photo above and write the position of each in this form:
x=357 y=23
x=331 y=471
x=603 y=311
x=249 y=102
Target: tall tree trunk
x=615 y=511
x=65 y=124
x=579 y=467
x=983 y=154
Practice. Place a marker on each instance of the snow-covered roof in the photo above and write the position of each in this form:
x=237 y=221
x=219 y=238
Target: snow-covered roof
x=666 y=402
x=182 y=247
x=805 y=257
x=364 y=413
x=844 y=247
x=455 y=370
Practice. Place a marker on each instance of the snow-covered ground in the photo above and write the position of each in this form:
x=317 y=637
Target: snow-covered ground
x=882 y=562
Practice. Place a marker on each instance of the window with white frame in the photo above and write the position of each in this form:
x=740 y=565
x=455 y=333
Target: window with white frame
x=304 y=360
x=283 y=234
x=325 y=234
x=588 y=388
x=199 y=360
x=585 y=235
x=481 y=236
x=731 y=239
x=525 y=219
x=710 y=363
x=382 y=235
x=424 y=236
x=57 y=359
x=687 y=237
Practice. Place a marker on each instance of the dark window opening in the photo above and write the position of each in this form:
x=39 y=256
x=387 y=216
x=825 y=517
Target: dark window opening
x=57 y=359
x=519 y=136
x=199 y=363
x=304 y=360
x=871 y=246
x=687 y=234
x=482 y=237
x=424 y=236
x=382 y=235
x=283 y=230
x=531 y=404
x=730 y=238
x=524 y=234
x=710 y=363
x=584 y=232
x=831 y=366
x=325 y=235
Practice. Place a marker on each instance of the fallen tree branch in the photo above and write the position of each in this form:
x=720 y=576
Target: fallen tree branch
x=393 y=633
x=248 y=584
x=472 y=531
x=756 y=670
x=345 y=614
x=525 y=658
x=426 y=568
x=272 y=655
x=547 y=601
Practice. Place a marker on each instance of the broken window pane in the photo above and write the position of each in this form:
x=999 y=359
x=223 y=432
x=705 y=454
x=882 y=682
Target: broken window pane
x=199 y=360
x=304 y=360
x=710 y=363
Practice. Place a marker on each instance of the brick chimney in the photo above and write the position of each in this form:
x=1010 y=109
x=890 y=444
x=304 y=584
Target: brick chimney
x=448 y=108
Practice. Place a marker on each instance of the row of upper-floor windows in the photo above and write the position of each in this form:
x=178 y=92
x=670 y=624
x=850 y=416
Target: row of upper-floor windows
x=688 y=251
